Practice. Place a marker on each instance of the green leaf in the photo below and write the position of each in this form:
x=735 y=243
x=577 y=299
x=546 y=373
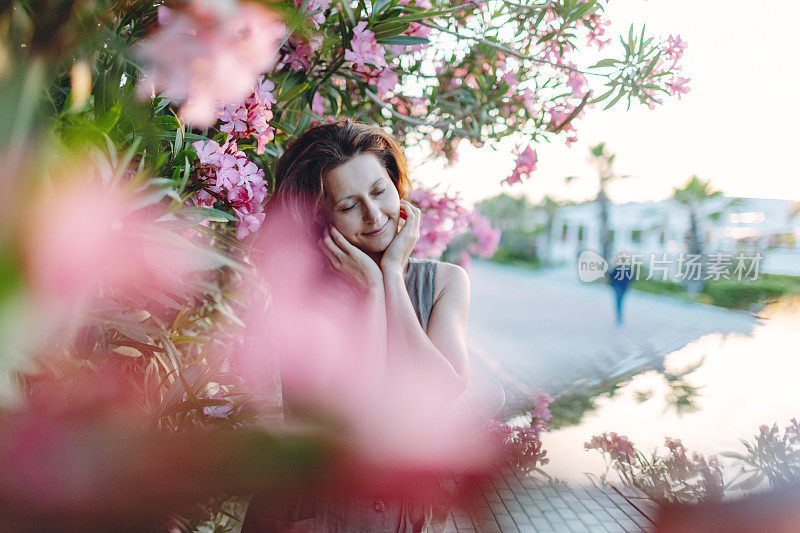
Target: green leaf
x=379 y=6
x=107 y=121
x=294 y=92
x=345 y=5
x=425 y=15
x=208 y=213
x=404 y=40
x=604 y=95
x=605 y=63
x=389 y=29
x=616 y=99
x=166 y=122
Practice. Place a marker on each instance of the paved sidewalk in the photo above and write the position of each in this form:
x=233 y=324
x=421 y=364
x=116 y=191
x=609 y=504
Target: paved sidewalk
x=514 y=502
x=548 y=330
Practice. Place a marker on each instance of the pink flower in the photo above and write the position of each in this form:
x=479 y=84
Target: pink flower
x=317 y=10
x=364 y=48
x=596 y=30
x=249 y=222
x=617 y=446
x=250 y=119
x=235 y=179
x=209 y=152
x=208 y=53
x=674 y=48
x=526 y=164
x=318 y=104
x=576 y=81
x=299 y=52
x=386 y=81
x=486 y=237
x=678 y=86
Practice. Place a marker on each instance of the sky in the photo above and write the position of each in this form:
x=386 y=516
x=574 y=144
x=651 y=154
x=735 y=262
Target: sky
x=737 y=127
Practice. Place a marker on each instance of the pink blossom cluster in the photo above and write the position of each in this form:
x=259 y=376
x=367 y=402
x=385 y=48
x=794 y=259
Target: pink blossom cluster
x=524 y=95
x=443 y=218
x=208 y=52
x=486 y=238
x=521 y=445
x=672 y=52
x=226 y=175
x=539 y=410
x=559 y=113
x=525 y=165
x=680 y=467
x=250 y=119
x=369 y=60
x=619 y=447
x=576 y=81
x=315 y=8
x=297 y=52
x=596 y=25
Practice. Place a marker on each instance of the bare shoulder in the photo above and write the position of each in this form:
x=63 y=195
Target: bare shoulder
x=451 y=279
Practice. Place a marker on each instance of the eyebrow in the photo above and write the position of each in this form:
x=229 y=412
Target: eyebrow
x=374 y=183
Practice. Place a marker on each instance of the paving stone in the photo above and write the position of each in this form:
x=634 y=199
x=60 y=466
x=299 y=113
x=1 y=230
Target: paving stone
x=498 y=507
x=567 y=514
x=520 y=519
x=492 y=496
x=576 y=527
x=540 y=524
x=506 y=494
x=533 y=511
x=587 y=518
x=642 y=522
x=488 y=526
x=513 y=506
x=504 y=519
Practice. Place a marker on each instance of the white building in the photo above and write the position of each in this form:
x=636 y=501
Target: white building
x=752 y=225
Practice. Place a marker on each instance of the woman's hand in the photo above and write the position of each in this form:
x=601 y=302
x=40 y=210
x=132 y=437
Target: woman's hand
x=350 y=260
x=402 y=245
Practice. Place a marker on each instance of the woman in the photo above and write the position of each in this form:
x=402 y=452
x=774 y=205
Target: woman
x=352 y=178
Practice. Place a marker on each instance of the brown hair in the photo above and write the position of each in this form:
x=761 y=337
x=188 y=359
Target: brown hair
x=300 y=170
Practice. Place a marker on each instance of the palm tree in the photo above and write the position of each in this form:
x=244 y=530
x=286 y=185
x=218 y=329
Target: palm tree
x=604 y=163
x=696 y=196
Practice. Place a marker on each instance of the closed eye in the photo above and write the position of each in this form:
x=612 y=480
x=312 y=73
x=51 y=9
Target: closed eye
x=378 y=193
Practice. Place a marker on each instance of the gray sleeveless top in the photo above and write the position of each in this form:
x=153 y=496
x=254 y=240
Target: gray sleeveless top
x=420 y=282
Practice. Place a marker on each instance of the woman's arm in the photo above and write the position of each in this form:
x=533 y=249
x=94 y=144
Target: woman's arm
x=437 y=358
x=366 y=370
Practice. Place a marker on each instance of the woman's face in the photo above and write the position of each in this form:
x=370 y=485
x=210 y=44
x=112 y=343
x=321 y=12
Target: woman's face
x=363 y=203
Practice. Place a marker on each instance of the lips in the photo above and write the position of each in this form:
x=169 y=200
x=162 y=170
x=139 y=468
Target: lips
x=378 y=231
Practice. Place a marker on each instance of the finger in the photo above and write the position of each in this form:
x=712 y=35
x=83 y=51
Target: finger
x=326 y=249
x=333 y=247
x=339 y=239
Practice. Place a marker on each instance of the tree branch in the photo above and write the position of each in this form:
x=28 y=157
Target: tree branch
x=507 y=50
x=442 y=124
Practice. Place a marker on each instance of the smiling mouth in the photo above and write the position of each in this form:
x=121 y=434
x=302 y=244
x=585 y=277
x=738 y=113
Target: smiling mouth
x=378 y=231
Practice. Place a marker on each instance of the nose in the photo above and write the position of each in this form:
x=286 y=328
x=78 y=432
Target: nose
x=372 y=212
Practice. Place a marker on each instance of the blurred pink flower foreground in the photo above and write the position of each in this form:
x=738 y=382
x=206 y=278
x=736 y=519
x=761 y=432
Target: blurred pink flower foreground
x=209 y=53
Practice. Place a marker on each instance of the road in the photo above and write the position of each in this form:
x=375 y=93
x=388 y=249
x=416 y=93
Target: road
x=547 y=329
